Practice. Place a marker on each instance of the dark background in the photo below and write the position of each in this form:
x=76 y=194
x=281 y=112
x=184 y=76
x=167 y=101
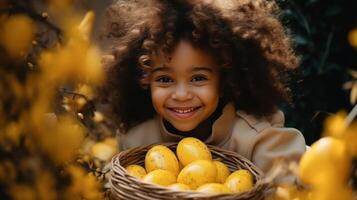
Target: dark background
x=320 y=29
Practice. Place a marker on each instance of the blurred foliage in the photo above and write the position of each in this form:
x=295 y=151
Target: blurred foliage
x=327 y=170
x=325 y=37
x=320 y=30
x=53 y=143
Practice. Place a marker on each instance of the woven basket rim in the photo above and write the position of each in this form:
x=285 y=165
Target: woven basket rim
x=120 y=177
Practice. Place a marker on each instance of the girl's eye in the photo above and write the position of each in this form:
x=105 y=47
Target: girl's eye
x=164 y=79
x=198 y=78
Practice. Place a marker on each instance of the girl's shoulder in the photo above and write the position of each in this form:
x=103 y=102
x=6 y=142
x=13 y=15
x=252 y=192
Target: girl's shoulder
x=255 y=130
x=260 y=123
x=266 y=138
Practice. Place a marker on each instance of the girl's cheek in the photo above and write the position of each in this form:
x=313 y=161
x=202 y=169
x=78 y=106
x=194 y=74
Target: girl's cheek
x=159 y=94
x=209 y=91
x=157 y=99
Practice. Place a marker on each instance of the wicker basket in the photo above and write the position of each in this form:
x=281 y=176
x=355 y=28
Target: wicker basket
x=127 y=187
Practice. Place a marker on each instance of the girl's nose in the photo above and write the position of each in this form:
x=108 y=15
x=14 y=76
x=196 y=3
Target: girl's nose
x=182 y=93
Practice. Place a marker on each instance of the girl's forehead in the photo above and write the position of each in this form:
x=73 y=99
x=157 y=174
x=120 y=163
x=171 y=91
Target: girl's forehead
x=184 y=55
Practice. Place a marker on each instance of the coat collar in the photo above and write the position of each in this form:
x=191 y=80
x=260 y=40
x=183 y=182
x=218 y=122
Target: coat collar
x=221 y=128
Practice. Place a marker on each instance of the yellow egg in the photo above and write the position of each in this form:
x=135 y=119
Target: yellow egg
x=191 y=149
x=136 y=170
x=213 y=188
x=16 y=34
x=240 y=181
x=327 y=160
x=198 y=173
x=244 y=173
x=222 y=171
x=179 y=186
x=180 y=166
x=160 y=177
x=161 y=157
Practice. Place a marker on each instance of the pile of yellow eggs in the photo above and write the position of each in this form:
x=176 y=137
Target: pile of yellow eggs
x=192 y=169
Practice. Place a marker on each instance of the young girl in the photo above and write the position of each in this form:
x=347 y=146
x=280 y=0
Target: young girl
x=205 y=69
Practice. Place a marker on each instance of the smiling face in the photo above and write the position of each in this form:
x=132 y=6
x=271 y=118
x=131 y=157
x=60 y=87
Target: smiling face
x=185 y=88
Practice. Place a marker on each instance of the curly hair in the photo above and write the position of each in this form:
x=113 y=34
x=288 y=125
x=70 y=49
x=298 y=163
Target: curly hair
x=246 y=37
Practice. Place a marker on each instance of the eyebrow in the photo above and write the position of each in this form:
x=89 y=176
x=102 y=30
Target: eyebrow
x=195 y=69
x=202 y=68
x=161 y=68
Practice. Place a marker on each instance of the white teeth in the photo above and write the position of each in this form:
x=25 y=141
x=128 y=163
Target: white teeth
x=183 y=110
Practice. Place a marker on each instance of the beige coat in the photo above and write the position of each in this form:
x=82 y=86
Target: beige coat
x=260 y=140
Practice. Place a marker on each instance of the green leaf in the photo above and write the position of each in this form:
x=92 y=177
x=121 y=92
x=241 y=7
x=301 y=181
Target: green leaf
x=301 y=40
x=333 y=11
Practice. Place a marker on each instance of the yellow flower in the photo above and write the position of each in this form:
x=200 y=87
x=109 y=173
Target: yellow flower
x=93 y=66
x=7 y=171
x=85 y=90
x=62 y=141
x=56 y=6
x=290 y=192
x=75 y=60
x=13 y=131
x=98 y=117
x=111 y=141
x=352 y=37
x=350 y=139
x=86 y=25
x=326 y=162
x=16 y=35
x=37 y=113
x=83 y=185
x=335 y=125
x=103 y=151
x=333 y=192
x=22 y=192
x=46 y=186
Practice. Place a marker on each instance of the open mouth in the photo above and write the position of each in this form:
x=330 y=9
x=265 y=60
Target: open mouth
x=184 y=112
